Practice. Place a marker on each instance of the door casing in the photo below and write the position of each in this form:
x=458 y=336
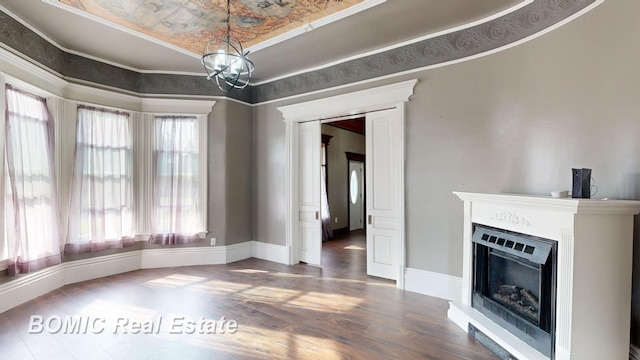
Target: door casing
x=359 y=102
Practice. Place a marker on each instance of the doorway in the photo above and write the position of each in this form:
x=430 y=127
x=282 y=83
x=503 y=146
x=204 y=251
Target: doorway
x=384 y=109
x=343 y=173
x=344 y=146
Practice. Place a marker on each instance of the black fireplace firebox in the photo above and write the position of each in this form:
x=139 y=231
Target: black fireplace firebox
x=515 y=284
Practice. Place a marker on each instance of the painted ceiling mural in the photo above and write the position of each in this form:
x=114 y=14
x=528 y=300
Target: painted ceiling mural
x=189 y=24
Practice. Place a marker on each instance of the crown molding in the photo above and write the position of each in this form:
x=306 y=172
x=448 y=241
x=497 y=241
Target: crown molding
x=23 y=73
x=353 y=103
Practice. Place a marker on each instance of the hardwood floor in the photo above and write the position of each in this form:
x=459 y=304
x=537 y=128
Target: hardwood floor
x=282 y=312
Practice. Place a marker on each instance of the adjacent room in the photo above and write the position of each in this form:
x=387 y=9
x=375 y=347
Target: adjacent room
x=333 y=179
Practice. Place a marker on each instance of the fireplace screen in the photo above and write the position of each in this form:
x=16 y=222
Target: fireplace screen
x=515 y=282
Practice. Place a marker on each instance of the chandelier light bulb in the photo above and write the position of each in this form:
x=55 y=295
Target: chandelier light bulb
x=220 y=59
x=236 y=66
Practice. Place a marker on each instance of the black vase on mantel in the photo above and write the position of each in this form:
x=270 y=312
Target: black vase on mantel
x=581 y=183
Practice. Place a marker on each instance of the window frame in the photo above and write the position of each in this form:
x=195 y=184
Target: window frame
x=202 y=161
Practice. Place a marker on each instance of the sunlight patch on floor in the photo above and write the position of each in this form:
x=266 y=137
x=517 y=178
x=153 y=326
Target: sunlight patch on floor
x=220 y=287
x=248 y=343
x=176 y=280
x=288 y=344
x=366 y=282
x=114 y=310
x=325 y=302
x=354 y=247
x=322 y=348
x=249 y=271
x=292 y=275
x=271 y=295
x=238 y=350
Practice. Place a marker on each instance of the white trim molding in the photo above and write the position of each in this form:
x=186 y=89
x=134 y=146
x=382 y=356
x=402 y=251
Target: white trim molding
x=176 y=106
x=358 y=102
x=239 y=251
x=29 y=286
x=101 y=266
x=271 y=252
x=187 y=256
x=434 y=284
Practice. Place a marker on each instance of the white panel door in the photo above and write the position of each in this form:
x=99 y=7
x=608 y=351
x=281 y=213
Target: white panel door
x=310 y=225
x=356 y=195
x=383 y=155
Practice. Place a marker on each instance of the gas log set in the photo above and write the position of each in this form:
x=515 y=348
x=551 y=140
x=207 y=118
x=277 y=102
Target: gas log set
x=518 y=299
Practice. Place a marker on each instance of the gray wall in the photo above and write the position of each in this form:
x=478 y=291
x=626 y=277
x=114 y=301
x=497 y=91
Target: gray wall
x=342 y=141
x=269 y=171
x=518 y=121
x=514 y=121
x=230 y=153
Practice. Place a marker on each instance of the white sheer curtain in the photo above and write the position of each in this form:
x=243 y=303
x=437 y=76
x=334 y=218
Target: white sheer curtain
x=32 y=218
x=100 y=213
x=176 y=218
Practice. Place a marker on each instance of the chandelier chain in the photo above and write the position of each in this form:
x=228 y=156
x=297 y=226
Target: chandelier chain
x=228 y=19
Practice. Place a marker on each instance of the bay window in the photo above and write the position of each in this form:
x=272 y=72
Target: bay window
x=126 y=176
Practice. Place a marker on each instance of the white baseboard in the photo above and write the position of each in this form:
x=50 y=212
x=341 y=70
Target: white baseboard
x=271 y=252
x=634 y=352
x=239 y=251
x=433 y=284
x=29 y=286
x=187 y=256
x=97 y=267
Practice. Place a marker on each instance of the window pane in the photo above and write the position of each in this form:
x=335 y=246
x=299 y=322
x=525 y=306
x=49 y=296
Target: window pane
x=32 y=223
x=176 y=186
x=101 y=210
x=353 y=189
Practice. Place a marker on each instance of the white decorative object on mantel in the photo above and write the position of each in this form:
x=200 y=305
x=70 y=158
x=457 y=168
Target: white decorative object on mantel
x=595 y=246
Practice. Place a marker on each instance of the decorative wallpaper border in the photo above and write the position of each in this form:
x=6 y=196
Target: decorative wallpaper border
x=512 y=27
x=491 y=35
x=21 y=39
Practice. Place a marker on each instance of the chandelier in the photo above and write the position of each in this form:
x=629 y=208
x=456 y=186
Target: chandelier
x=226 y=62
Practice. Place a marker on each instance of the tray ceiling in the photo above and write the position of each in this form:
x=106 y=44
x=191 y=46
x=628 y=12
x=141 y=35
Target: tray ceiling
x=285 y=36
x=189 y=24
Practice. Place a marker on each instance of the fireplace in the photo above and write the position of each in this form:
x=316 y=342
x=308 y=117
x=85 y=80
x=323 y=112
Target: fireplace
x=586 y=245
x=514 y=283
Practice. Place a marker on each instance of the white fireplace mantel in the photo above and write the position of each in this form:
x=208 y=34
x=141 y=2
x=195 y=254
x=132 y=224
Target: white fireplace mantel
x=595 y=246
